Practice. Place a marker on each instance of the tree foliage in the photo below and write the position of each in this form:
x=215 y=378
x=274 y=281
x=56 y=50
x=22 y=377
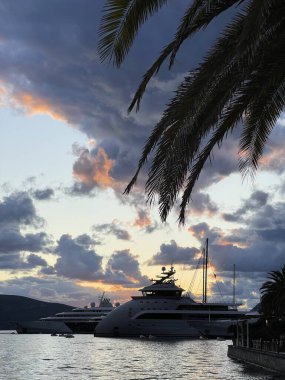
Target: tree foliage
x=273 y=294
x=241 y=80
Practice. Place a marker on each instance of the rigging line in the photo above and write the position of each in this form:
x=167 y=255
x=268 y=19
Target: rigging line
x=215 y=277
x=194 y=275
x=200 y=279
x=181 y=277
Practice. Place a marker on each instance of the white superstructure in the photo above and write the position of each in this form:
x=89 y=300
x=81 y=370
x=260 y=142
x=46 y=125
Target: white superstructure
x=83 y=319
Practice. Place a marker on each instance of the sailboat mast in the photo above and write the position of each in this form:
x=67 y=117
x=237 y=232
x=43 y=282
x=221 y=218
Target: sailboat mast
x=234 y=285
x=206 y=270
x=203 y=251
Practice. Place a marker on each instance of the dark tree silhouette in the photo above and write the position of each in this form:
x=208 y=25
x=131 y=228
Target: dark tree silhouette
x=273 y=294
x=242 y=79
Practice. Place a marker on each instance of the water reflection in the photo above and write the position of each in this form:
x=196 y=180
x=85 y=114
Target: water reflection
x=86 y=357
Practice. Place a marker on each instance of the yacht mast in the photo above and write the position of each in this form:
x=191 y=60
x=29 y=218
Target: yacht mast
x=203 y=299
x=206 y=270
x=234 y=285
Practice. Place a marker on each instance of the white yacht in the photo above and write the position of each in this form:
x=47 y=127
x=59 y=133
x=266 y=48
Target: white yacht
x=80 y=320
x=162 y=311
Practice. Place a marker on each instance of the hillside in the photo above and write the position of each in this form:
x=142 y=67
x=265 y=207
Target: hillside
x=18 y=308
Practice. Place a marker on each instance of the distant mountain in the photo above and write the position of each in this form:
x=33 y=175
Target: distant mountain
x=18 y=308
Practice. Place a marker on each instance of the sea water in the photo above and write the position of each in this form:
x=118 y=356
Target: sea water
x=46 y=357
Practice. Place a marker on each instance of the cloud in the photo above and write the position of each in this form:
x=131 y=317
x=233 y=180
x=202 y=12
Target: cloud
x=112 y=228
x=17 y=262
x=11 y=240
x=201 y=204
x=171 y=254
x=43 y=194
x=77 y=259
x=17 y=211
x=256 y=201
x=18 y=208
x=92 y=171
x=144 y=221
x=123 y=268
x=35 y=105
x=201 y=231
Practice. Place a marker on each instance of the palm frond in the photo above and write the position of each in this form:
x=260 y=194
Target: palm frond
x=191 y=95
x=188 y=27
x=269 y=101
x=198 y=16
x=120 y=24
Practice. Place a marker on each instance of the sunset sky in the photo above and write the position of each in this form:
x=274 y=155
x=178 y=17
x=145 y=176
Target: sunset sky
x=68 y=148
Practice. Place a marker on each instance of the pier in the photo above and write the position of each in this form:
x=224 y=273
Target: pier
x=269 y=354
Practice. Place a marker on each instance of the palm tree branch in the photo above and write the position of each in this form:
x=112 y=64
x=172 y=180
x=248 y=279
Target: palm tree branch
x=120 y=24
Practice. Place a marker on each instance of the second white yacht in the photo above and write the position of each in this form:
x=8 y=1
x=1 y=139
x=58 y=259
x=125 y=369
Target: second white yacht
x=82 y=320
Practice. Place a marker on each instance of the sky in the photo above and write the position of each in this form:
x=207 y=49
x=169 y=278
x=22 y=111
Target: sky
x=68 y=148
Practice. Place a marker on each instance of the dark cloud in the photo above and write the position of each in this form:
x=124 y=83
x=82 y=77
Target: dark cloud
x=17 y=262
x=252 y=249
x=201 y=231
x=12 y=240
x=259 y=257
x=123 y=268
x=171 y=254
x=43 y=195
x=18 y=208
x=17 y=211
x=35 y=260
x=256 y=201
x=246 y=289
x=77 y=259
x=200 y=203
x=113 y=229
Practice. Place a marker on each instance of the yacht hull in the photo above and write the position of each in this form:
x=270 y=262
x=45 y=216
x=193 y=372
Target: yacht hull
x=82 y=327
x=126 y=321
x=42 y=327
x=160 y=328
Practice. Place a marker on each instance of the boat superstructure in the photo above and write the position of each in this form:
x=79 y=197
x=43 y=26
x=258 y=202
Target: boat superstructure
x=84 y=320
x=162 y=310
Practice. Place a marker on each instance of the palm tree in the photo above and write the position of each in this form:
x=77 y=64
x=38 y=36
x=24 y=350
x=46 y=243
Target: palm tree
x=273 y=294
x=241 y=80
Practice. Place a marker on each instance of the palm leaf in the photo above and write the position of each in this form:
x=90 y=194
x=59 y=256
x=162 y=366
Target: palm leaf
x=120 y=24
x=194 y=19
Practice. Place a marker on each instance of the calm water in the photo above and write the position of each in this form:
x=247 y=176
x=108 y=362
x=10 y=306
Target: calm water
x=85 y=357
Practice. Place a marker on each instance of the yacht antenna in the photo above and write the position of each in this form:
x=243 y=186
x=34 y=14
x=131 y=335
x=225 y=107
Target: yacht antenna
x=234 y=285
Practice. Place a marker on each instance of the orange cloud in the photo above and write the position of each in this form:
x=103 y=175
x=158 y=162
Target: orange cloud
x=224 y=242
x=143 y=220
x=273 y=159
x=35 y=105
x=94 y=170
